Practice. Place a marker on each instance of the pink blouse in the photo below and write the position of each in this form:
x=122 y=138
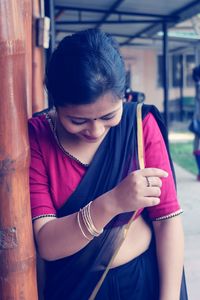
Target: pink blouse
x=54 y=174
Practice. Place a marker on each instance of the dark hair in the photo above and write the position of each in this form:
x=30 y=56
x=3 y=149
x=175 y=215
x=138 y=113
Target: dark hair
x=85 y=66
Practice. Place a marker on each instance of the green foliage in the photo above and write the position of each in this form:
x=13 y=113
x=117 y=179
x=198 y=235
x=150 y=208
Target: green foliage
x=182 y=155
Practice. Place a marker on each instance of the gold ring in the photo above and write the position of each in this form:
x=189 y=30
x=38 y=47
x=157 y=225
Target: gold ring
x=148 y=182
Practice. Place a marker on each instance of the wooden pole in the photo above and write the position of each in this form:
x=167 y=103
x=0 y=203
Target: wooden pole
x=38 y=102
x=17 y=255
x=27 y=20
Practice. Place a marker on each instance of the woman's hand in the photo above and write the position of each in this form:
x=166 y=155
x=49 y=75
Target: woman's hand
x=141 y=188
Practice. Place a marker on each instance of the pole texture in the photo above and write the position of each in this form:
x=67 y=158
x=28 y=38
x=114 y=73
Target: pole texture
x=17 y=254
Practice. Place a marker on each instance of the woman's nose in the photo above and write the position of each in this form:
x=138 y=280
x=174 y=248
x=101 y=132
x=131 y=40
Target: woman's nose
x=96 y=128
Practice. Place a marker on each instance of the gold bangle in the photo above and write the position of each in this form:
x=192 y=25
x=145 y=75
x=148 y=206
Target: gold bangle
x=88 y=222
x=81 y=229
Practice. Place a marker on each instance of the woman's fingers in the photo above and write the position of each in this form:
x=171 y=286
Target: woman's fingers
x=141 y=188
x=152 y=181
x=153 y=172
x=150 y=201
x=153 y=184
x=152 y=192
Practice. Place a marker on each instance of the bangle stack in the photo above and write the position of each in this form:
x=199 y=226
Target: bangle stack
x=85 y=213
x=81 y=229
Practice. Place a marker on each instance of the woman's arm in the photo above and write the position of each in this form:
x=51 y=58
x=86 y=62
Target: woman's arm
x=60 y=237
x=169 y=244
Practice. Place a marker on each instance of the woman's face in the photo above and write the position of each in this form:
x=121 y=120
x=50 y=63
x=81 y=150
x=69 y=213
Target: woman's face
x=91 y=122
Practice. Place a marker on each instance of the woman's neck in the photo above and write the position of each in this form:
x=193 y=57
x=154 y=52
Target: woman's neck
x=76 y=147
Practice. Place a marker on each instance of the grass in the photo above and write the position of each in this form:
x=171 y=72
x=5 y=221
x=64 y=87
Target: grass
x=182 y=155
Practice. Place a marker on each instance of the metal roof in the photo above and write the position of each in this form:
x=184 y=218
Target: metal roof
x=132 y=22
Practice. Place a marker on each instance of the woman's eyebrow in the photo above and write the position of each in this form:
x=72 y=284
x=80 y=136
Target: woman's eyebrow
x=81 y=118
x=111 y=113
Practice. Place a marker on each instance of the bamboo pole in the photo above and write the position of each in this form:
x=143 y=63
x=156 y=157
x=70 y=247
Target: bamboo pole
x=17 y=255
x=26 y=6
x=38 y=102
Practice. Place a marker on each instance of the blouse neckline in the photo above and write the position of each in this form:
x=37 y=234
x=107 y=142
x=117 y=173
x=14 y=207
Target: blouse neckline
x=51 y=122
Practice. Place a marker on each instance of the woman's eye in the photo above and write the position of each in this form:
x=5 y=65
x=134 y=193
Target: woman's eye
x=107 y=118
x=78 y=122
x=81 y=122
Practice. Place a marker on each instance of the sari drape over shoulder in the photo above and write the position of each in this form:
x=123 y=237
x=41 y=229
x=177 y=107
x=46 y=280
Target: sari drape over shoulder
x=72 y=277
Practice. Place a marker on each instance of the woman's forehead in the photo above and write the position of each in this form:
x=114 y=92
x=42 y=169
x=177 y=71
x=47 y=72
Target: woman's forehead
x=106 y=104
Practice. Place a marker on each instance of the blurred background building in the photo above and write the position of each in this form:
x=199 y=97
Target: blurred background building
x=159 y=41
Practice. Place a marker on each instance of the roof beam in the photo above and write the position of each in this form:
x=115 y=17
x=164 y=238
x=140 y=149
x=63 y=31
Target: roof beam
x=113 y=7
x=59 y=14
x=187 y=7
x=176 y=13
x=175 y=39
x=185 y=48
x=114 y=12
x=137 y=35
x=101 y=22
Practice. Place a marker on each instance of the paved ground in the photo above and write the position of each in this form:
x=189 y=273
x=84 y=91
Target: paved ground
x=189 y=196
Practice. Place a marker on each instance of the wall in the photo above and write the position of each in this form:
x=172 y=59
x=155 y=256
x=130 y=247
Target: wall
x=143 y=66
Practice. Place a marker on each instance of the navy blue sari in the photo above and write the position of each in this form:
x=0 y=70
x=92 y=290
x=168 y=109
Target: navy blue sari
x=73 y=277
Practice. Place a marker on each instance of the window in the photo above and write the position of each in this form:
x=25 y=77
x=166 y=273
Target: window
x=160 y=70
x=128 y=79
x=177 y=70
x=180 y=70
x=189 y=66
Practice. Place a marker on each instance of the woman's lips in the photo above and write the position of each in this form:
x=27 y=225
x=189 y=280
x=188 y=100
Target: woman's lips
x=91 y=138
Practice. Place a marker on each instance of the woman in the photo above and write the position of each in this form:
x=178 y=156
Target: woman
x=85 y=182
x=196 y=118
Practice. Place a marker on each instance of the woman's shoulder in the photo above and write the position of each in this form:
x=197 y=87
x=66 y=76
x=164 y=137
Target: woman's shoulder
x=149 y=112
x=153 y=111
x=41 y=136
x=129 y=110
x=36 y=120
x=129 y=107
x=39 y=125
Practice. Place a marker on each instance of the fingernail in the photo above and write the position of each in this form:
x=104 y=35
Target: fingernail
x=166 y=174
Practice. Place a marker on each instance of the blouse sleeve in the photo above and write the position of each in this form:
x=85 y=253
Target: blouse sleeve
x=156 y=156
x=41 y=202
